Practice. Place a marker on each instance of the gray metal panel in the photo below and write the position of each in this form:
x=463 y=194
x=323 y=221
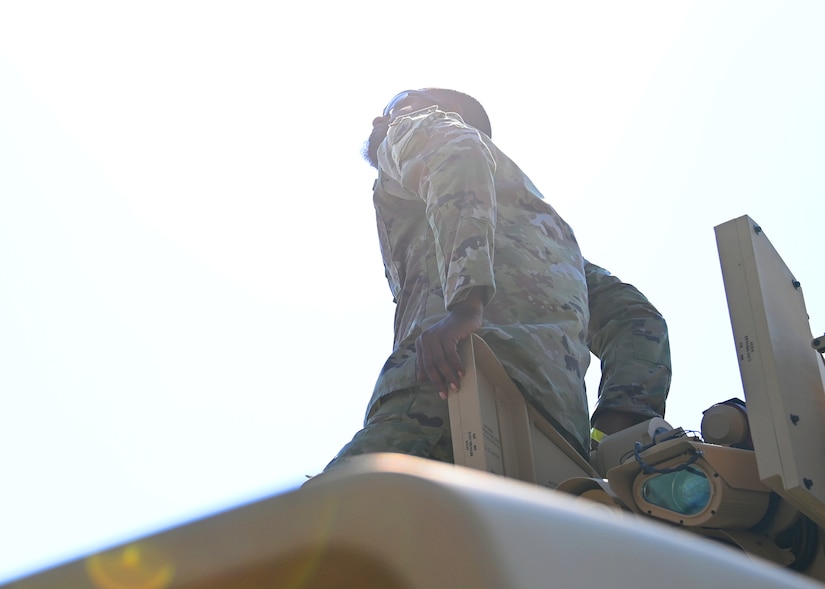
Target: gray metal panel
x=781 y=373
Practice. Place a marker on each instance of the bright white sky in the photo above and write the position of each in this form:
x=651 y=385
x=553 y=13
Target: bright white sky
x=192 y=306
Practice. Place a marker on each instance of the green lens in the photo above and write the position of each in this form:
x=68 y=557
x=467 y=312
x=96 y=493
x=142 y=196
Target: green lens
x=686 y=492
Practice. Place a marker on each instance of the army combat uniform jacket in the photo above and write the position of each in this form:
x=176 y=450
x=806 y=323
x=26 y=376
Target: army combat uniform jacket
x=454 y=213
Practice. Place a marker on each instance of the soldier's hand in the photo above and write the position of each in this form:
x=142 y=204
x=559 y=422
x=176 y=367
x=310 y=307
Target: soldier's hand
x=437 y=358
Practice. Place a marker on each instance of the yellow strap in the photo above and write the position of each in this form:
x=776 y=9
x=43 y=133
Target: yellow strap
x=597 y=435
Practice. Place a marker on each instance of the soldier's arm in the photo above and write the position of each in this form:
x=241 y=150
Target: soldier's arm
x=630 y=338
x=446 y=163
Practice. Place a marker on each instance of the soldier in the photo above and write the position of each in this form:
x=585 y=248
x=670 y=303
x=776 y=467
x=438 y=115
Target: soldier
x=470 y=246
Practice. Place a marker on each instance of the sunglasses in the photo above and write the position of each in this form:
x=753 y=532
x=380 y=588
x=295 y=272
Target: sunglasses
x=398 y=100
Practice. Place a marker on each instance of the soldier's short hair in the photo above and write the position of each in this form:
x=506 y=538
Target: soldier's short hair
x=474 y=113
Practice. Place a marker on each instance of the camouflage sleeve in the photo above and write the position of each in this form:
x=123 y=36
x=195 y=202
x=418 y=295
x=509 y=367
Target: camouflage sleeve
x=445 y=162
x=630 y=338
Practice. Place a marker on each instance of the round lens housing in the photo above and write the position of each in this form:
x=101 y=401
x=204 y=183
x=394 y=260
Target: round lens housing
x=686 y=492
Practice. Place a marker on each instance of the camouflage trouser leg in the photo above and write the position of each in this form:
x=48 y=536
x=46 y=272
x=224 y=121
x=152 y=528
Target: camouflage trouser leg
x=412 y=421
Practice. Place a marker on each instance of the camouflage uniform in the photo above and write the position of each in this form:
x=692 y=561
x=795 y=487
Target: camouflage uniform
x=630 y=338
x=454 y=213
